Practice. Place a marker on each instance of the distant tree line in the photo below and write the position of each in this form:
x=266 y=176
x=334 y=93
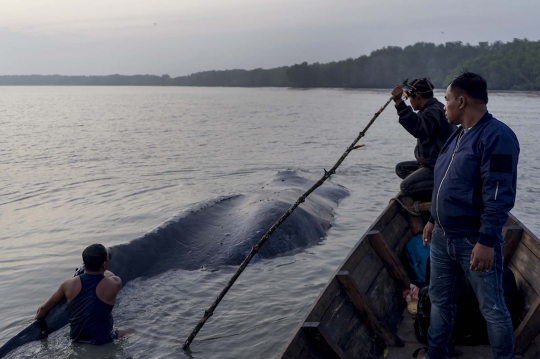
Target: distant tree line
x=231 y=78
x=109 y=80
x=506 y=66
x=237 y=78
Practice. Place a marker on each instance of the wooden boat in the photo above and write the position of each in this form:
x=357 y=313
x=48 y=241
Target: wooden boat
x=361 y=311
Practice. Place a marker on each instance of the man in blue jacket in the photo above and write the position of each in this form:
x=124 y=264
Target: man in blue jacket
x=475 y=188
x=431 y=130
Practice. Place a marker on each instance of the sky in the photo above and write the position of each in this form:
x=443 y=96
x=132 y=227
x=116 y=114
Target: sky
x=180 y=37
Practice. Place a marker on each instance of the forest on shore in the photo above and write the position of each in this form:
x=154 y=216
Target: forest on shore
x=506 y=66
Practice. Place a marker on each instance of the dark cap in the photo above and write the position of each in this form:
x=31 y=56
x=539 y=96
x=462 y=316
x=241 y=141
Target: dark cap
x=421 y=86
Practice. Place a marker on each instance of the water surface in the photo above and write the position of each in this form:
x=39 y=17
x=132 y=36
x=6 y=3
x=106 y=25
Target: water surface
x=107 y=164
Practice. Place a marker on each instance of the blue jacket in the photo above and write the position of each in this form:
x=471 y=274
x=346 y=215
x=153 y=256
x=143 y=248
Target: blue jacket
x=475 y=181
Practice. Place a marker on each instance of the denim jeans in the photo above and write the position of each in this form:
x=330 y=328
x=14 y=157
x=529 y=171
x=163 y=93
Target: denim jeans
x=447 y=254
x=417 y=179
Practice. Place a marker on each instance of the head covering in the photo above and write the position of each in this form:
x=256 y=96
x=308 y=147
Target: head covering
x=420 y=86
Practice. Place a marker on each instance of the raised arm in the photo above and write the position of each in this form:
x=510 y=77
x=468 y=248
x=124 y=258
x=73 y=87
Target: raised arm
x=421 y=124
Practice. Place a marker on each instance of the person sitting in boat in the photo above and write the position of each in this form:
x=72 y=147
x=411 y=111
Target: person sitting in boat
x=91 y=297
x=475 y=179
x=431 y=129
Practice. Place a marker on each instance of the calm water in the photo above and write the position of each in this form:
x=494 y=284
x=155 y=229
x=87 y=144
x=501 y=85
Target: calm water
x=81 y=165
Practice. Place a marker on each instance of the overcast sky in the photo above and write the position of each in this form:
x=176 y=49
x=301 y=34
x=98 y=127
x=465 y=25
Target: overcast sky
x=179 y=37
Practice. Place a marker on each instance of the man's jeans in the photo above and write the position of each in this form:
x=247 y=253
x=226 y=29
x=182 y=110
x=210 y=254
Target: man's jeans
x=447 y=254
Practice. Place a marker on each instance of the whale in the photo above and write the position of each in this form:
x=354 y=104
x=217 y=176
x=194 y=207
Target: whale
x=214 y=233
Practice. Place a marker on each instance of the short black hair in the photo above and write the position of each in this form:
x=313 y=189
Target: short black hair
x=473 y=85
x=94 y=256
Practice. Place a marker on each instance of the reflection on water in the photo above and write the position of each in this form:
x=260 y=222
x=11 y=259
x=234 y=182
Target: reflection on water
x=95 y=164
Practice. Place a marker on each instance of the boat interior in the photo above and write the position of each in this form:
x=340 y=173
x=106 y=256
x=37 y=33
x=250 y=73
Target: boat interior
x=361 y=312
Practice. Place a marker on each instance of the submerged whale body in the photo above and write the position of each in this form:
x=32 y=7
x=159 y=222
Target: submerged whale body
x=222 y=231
x=215 y=233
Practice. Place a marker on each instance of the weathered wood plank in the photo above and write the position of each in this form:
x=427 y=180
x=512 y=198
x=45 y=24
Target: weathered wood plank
x=357 y=340
x=338 y=321
x=367 y=270
x=536 y=343
x=528 y=265
x=370 y=265
x=309 y=352
x=325 y=299
x=528 y=329
x=356 y=254
x=386 y=300
x=533 y=348
x=512 y=237
x=344 y=323
x=320 y=339
x=335 y=306
x=382 y=292
x=366 y=313
x=403 y=242
x=389 y=259
x=415 y=222
x=525 y=289
x=363 y=276
x=530 y=239
x=294 y=347
x=532 y=352
x=395 y=230
x=382 y=221
x=512 y=220
x=531 y=243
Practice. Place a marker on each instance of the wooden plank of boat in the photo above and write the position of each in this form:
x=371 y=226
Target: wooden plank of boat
x=389 y=259
x=361 y=311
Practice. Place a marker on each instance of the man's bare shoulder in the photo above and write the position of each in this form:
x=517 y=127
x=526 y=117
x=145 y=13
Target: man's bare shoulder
x=73 y=279
x=70 y=282
x=71 y=288
x=113 y=282
x=108 y=288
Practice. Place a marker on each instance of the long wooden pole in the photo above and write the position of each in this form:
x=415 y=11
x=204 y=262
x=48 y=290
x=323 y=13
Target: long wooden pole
x=210 y=311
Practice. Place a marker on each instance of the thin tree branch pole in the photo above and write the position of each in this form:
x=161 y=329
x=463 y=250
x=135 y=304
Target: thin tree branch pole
x=210 y=311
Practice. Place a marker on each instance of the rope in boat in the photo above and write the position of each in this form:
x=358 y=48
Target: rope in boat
x=210 y=311
x=416 y=211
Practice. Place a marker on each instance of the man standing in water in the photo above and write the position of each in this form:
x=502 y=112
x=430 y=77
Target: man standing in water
x=475 y=188
x=431 y=129
x=91 y=297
